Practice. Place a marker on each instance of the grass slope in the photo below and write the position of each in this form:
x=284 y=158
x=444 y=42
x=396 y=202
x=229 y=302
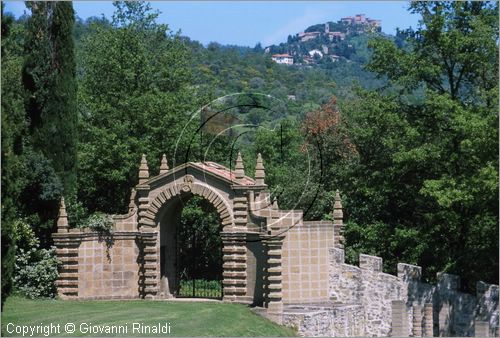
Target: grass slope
x=185 y=318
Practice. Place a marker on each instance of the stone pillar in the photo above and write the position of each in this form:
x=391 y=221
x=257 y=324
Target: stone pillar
x=163 y=165
x=399 y=319
x=149 y=271
x=274 y=297
x=428 y=320
x=62 y=220
x=145 y=218
x=338 y=224
x=417 y=321
x=481 y=328
x=234 y=267
x=240 y=211
x=260 y=173
x=67 y=253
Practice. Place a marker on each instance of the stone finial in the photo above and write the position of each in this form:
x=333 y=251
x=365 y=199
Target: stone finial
x=143 y=170
x=337 y=207
x=260 y=173
x=62 y=220
x=163 y=165
x=275 y=204
x=131 y=205
x=338 y=223
x=239 y=169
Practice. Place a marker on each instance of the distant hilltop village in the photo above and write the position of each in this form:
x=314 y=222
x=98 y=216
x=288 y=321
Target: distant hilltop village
x=322 y=40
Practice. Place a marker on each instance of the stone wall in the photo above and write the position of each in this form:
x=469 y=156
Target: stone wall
x=305 y=261
x=454 y=312
x=108 y=270
x=366 y=285
x=326 y=320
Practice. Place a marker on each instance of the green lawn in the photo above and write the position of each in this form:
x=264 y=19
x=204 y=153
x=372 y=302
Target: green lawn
x=184 y=318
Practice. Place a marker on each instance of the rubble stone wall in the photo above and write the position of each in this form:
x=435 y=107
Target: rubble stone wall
x=454 y=312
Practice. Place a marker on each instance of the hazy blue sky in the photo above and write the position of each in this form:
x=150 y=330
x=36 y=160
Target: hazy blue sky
x=248 y=22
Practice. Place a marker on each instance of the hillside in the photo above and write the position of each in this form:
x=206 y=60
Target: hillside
x=310 y=82
x=345 y=39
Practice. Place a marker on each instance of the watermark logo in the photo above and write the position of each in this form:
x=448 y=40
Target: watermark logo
x=51 y=329
x=234 y=122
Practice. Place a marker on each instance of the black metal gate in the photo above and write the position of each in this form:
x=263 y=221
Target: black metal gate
x=199 y=259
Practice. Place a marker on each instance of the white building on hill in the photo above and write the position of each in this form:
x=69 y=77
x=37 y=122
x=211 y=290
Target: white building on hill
x=315 y=52
x=285 y=59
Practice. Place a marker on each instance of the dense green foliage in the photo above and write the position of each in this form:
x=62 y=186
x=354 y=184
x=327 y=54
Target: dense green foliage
x=35 y=268
x=49 y=78
x=185 y=318
x=412 y=144
x=134 y=98
x=198 y=241
x=444 y=156
x=37 y=59
x=12 y=129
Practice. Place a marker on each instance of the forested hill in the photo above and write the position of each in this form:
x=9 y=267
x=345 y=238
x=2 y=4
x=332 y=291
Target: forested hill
x=319 y=44
x=229 y=69
x=223 y=69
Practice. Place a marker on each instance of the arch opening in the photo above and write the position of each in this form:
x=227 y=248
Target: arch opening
x=190 y=248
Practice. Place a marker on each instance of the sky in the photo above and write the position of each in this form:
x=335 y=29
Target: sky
x=246 y=23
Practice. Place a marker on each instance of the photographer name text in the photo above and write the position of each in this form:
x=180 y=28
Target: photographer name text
x=87 y=328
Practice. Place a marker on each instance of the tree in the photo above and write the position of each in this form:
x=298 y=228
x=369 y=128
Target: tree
x=13 y=127
x=134 y=99
x=427 y=174
x=454 y=50
x=49 y=78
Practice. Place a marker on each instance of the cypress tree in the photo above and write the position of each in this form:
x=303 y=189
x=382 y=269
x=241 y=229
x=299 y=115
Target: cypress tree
x=49 y=78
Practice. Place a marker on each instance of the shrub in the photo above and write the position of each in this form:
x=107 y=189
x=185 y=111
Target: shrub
x=98 y=222
x=35 y=269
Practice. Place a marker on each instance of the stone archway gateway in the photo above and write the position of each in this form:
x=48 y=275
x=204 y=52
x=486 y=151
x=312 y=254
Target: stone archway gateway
x=140 y=261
